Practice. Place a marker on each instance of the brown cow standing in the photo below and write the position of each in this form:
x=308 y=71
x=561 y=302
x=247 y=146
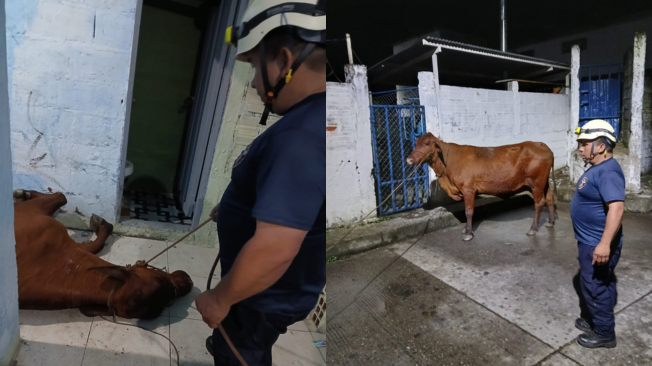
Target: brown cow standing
x=55 y=272
x=464 y=171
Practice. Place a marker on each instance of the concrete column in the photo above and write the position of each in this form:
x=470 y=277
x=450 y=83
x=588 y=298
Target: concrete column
x=575 y=168
x=633 y=175
x=9 y=325
x=428 y=99
x=357 y=76
x=437 y=90
x=513 y=87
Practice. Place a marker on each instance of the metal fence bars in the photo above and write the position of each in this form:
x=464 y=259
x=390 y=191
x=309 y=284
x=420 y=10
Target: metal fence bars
x=600 y=94
x=395 y=129
x=403 y=96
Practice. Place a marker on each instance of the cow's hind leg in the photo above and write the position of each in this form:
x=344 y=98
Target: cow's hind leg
x=539 y=201
x=103 y=230
x=550 y=201
x=469 y=202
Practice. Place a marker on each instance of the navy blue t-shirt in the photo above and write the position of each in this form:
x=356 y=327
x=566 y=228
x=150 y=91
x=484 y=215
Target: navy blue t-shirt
x=602 y=183
x=281 y=179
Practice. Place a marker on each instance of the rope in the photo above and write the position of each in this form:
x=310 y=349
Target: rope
x=370 y=212
x=178 y=241
x=151 y=331
x=427 y=156
x=219 y=326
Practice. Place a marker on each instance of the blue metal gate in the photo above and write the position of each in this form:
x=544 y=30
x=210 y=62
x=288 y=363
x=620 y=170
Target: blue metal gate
x=395 y=129
x=600 y=94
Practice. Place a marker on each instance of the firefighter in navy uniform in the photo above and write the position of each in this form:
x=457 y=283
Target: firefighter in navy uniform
x=596 y=211
x=271 y=220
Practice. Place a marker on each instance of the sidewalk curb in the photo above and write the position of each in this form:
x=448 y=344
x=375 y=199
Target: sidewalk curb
x=403 y=226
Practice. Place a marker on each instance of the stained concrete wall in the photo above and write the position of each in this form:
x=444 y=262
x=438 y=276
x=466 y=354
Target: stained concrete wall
x=484 y=117
x=349 y=155
x=68 y=70
x=9 y=326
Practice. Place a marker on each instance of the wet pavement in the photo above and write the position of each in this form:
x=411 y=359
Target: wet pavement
x=501 y=299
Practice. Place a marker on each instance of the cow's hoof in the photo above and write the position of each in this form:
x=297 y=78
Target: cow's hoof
x=550 y=224
x=21 y=194
x=108 y=226
x=531 y=232
x=97 y=223
x=468 y=237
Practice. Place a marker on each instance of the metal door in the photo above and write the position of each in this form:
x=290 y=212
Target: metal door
x=395 y=129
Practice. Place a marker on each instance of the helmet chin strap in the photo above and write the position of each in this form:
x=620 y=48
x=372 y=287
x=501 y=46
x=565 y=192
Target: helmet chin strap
x=272 y=94
x=592 y=156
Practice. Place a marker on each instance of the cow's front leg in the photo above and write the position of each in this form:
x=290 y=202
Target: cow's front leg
x=103 y=230
x=469 y=203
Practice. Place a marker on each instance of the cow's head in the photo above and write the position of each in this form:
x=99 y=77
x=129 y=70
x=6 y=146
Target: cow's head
x=426 y=147
x=142 y=292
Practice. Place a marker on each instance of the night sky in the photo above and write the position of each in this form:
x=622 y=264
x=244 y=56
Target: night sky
x=375 y=25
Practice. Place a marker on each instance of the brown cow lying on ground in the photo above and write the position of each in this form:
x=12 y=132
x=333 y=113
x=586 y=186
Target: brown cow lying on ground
x=55 y=272
x=464 y=171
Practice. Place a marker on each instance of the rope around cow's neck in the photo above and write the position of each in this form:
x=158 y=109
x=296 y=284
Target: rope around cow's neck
x=141 y=263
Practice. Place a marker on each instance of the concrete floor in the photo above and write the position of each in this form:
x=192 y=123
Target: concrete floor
x=66 y=338
x=501 y=299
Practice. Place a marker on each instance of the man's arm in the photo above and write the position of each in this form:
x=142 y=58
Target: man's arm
x=614 y=220
x=261 y=262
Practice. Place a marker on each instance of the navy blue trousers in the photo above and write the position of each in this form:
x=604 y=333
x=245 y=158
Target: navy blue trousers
x=253 y=333
x=598 y=289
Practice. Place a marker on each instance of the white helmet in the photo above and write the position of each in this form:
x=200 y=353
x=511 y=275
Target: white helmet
x=307 y=17
x=262 y=16
x=596 y=128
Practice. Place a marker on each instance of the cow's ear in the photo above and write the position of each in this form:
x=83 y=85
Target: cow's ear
x=115 y=272
x=439 y=150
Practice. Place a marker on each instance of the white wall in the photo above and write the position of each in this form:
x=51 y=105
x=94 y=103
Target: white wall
x=607 y=45
x=349 y=155
x=68 y=69
x=9 y=326
x=484 y=117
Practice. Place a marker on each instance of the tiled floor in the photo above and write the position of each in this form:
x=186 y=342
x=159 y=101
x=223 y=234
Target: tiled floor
x=155 y=207
x=65 y=338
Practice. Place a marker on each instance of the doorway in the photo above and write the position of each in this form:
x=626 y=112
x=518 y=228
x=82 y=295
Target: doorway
x=179 y=91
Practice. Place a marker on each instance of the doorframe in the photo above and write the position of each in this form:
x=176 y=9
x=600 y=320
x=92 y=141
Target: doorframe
x=215 y=120
x=129 y=99
x=221 y=90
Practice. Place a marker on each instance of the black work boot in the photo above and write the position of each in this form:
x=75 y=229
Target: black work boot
x=582 y=325
x=593 y=340
x=209 y=345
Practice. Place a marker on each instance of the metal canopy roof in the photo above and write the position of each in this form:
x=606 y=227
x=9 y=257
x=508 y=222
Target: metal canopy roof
x=460 y=64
